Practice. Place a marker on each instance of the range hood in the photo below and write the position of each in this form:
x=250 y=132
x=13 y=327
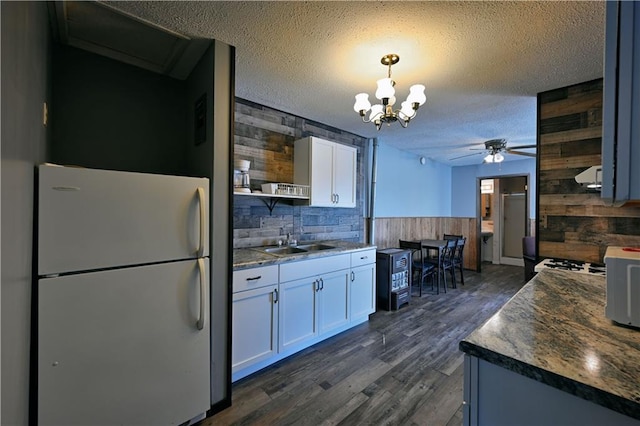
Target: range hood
x=591 y=178
x=104 y=30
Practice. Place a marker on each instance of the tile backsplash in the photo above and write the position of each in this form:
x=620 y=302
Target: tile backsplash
x=265 y=137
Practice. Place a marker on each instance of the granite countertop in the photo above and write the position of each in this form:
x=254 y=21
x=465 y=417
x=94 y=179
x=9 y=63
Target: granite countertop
x=554 y=331
x=250 y=257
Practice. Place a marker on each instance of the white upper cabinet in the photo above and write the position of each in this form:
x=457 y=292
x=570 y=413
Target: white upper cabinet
x=329 y=169
x=621 y=104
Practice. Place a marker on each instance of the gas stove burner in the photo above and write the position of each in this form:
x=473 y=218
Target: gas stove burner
x=564 y=266
x=568 y=262
x=578 y=266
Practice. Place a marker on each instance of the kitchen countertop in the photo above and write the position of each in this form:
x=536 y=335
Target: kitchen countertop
x=554 y=331
x=250 y=257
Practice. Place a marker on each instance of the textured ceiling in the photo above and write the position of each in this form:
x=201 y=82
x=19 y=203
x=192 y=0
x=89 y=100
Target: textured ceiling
x=482 y=62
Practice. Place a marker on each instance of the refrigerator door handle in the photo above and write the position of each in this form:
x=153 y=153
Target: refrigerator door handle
x=203 y=295
x=203 y=220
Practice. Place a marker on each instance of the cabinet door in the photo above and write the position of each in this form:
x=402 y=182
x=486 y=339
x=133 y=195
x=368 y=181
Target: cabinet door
x=621 y=104
x=345 y=160
x=298 y=320
x=362 y=291
x=322 y=174
x=254 y=326
x=333 y=301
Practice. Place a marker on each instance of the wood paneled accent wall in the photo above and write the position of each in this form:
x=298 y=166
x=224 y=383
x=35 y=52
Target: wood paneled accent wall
x=573 y=222
x=388 y=230
x=265 y=136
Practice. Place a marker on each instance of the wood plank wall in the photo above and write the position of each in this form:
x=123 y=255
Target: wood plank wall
x=388 y=230
x=573 y=222
x=265 y=136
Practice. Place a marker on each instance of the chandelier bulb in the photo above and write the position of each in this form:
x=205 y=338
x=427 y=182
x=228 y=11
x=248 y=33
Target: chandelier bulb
x=385 y=88
x=362 y=104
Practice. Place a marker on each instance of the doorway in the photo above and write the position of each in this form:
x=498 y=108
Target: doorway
x=512 y=228
x=503 y=218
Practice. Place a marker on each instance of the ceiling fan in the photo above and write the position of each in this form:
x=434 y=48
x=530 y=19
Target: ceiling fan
x=494 y=149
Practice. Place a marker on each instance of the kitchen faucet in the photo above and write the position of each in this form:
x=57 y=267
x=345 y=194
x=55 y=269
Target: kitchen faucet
x=288 y=241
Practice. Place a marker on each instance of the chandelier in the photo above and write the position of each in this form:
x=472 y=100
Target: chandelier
x=384 y=113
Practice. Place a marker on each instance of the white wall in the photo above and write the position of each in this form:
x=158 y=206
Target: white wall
x=25 y=86
x=464 y=184
x=406 y=188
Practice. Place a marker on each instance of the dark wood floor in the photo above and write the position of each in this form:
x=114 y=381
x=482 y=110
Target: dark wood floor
x=401 y=368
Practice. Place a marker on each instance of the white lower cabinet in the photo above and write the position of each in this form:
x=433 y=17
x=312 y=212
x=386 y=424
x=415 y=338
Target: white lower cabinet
x=277 y=312
x=362 y=292
x=314 y=299
x=333 y=301
x=254 y=326
x=298 y=311
x=362 y=286
x=254 y=321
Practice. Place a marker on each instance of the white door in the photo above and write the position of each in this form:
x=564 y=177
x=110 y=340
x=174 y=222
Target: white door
x=122 y=346
x=254 y=326
x=93 y=219
x=362 y=299
x=321 y=173
x=333 y=301
x=345 y=165
x=513 y=228
x=298 y=321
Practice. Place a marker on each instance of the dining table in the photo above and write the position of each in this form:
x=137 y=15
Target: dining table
x=439 y=246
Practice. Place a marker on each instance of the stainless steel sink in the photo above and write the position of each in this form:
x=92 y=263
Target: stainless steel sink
x=316 y=247
x=282 y=250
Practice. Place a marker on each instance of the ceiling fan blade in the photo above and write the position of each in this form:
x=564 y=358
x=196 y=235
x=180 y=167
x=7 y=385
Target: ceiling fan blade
x=522 y=147
x=466 y=155
x=526 y=154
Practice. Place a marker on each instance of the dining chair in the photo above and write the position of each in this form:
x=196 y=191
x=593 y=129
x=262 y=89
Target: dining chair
x=419 y=265
x=446 y=263
x=458 y=260
x=529 y=257
x=451 y=237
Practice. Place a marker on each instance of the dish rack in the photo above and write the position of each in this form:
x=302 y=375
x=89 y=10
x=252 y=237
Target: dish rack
x=286 y=189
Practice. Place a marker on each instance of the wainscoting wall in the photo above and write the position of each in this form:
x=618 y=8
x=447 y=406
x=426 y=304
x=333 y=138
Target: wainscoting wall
x=573 y=222
x=388 y=230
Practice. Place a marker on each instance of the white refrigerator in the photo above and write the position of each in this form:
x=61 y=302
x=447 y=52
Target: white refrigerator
x=123 y=327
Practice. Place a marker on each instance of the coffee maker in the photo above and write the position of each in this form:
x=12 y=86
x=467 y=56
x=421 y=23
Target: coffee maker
x=241 y=181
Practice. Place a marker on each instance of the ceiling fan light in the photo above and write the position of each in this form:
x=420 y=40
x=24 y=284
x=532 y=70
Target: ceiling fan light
x=488 y=158
x=385 y=88
x=416 y=94
x=498 y=158
x=362 y=103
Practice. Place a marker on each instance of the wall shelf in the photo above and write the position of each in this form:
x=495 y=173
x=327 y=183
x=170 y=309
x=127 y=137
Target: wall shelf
x=272 y=198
